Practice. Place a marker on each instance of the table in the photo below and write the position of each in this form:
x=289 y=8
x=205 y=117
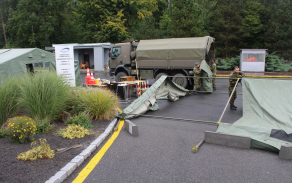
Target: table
x=126 y=85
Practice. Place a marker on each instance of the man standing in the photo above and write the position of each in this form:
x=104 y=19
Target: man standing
x=197 y=80
x=232 y=81
x=214 y=70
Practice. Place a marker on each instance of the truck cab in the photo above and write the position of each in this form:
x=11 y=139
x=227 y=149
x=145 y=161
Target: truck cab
x=122 y=58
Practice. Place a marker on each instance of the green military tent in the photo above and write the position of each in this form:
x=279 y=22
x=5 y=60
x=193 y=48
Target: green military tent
x=17 y=61
x=14 y=62
x=267 y=114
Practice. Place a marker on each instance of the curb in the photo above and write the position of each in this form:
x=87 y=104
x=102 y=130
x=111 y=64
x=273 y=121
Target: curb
x=61 y=175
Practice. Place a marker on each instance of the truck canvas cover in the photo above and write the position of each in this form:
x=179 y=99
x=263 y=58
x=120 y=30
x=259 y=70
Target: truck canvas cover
x=267 y=114
x=173 y=53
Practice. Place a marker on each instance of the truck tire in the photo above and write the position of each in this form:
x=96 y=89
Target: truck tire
x=180 y=79
x=159 y=75
x=119 y=75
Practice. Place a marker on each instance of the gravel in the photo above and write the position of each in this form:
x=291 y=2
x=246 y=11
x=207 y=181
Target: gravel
x=41 y=170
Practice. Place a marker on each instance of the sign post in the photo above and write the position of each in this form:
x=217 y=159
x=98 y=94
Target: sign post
x=64 y=55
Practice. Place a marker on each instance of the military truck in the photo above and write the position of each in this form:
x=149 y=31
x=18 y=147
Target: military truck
x=150 y=59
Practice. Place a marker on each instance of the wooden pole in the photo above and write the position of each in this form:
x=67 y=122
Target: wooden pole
x=228 y=101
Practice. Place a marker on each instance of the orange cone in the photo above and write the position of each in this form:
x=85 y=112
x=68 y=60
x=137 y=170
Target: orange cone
x=92 y=81
x=87 y=78
x=138 y=89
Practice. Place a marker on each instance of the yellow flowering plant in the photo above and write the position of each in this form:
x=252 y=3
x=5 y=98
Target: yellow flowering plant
x=21 y=129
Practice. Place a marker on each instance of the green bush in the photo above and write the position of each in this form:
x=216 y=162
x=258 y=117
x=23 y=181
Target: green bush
x=9 y=95
x=43 y=126
x=3 y=132
x=44 y=95
x=275 y=64
x=21 y=129
x=99 y=103
x=82 y=119
x=228 y=63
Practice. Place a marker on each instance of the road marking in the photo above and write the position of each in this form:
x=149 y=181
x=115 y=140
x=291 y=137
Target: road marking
x=95 y=160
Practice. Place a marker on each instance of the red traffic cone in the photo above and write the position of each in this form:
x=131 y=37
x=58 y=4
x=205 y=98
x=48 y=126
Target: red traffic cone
x=87 y=78
x=138 y=89
x=92 y=81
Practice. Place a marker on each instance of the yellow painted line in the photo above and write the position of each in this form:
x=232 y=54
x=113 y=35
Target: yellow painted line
x=95 y=160
x=256 y=76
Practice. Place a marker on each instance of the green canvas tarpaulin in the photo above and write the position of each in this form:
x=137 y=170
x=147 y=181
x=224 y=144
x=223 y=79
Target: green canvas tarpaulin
x=207 y=84
x=267 y=114
x=174 y=53
x=13 y=62
x=163 y=86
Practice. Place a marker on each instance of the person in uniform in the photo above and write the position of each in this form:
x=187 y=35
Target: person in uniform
x=232 y=81
x=214 y=70
x=197 y=80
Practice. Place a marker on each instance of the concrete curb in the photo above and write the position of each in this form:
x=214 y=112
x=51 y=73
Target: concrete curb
x=79 y=159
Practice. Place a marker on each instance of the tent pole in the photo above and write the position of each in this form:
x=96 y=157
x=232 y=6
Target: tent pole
x=228 y=101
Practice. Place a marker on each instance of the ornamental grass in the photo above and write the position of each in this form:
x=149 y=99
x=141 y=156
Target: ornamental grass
x=99 y=103
x=44 y=95
x=9 y=95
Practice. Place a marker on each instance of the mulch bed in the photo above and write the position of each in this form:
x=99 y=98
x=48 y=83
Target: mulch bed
x=41 y=170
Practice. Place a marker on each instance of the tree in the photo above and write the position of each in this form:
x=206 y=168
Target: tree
x=36 y=23
x=253 y=24
x=183 y=19
x=6 y=8
x=102 y=21
x=227 y=27
x=279 y=29
x=148 y=27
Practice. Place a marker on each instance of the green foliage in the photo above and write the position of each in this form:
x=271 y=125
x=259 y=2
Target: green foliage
x=146 y=29
x=82 y=120
x=251 y=24
x=21 y=129
x=74 y=131
x=44 y=95
x=38 y=23
x=3 y=132
x=278 y=28
x=227 y=27
x=9 y=95
x=40 y=150
x=184 y=21
x=99 y=103
x=228 y=63
x=101 y=21
x=275 y=64
x=43 y=126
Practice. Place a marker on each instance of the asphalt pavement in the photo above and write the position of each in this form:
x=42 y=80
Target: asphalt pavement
x=162 y=151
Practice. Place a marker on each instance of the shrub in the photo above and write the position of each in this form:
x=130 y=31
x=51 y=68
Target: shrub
x=43 y=126
x=21 y=129
x=44 y=94
x=99 y=103
x=74 y=131
x=228 y=63
x=82 y=120
x=9 y=93
x=3 y=132
x=41 y=150
x=275 y=64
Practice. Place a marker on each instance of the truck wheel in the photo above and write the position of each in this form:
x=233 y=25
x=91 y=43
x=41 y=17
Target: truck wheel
x=159 y=75
x=119 y=75
x=180 y=79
